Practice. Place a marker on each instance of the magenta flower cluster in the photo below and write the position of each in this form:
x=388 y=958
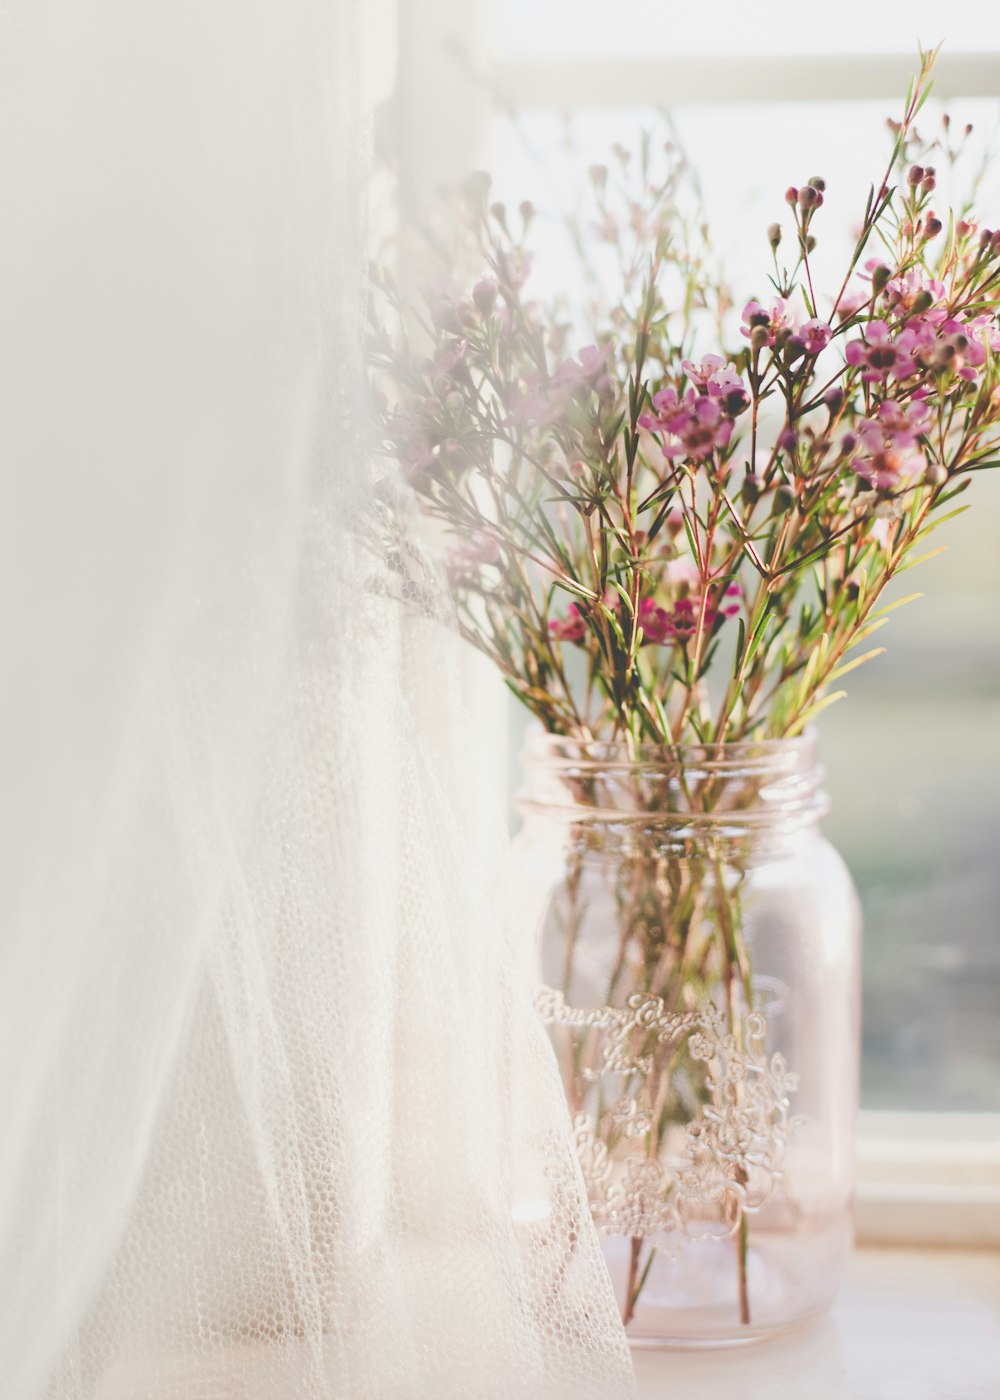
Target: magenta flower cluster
x=779 y=328
x=700 y=421
x=660 y=625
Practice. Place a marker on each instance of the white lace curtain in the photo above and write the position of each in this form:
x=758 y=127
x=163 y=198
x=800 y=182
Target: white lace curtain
x=276 y=1119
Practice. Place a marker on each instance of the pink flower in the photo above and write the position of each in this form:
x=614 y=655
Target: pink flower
x=813 y=335
x=544 y=401
x=685 y=617
x=485 y=294
x=887 y=450
x=572 y=628
x=778 y=321
x=852 y=301
x=881 y=354
x=904 y=292
x=589 y=370
x=680 y=623
x=534 y=405
x=718 y=380
x=982 y=333
x=697 y=421
x=656 y=623
x=450 y=358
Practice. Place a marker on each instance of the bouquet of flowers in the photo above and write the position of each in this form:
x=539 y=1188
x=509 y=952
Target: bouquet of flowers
x=628 y=518
x=676 y=547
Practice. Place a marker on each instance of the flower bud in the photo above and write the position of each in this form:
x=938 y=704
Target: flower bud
x=810 y=243
x=932 y=227
x=484 y=294
x=809 y=198
x=599 y=176
x=453 y=401
x=928 y=183
x=774 y=235
x=759 y=337
x=527 y=210
x=577 y=468
x=787 y=440
x=791 y=195
x=499 y=212
x=915 y=174
x=751 y=489
x=936 y=474
x=818 y=183
x=784 y=500
x=922 y=302
x=880 y=276
x=834 y=399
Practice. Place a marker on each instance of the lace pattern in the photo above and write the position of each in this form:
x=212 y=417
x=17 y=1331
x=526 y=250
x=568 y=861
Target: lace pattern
x=705 y=1174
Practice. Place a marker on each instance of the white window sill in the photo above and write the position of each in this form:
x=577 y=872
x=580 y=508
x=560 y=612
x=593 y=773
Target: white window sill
x=909 y=1325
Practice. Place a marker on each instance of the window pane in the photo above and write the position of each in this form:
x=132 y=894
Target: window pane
x=913 y=755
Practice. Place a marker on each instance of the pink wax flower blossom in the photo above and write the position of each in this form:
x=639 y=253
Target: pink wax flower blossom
x=680 y=622
x=886 y=450
x=449 y=359
x=852 y=301
x=676 y=624
x=717 y=378
x=881 y=354
x=778 y=321
x=982 y=334
x=542 y=402
x=813 y=335
x=914 y=288
x=589 y=370
x=656 y=623
x=951 y=344
x=685 y=614
x=484 y=294
x=697 y=421
x=536 y=404
x=571 y=628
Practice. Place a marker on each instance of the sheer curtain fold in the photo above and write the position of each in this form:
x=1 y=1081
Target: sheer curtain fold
x=277 y=1120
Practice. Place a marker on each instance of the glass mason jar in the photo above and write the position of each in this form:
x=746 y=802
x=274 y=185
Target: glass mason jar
x=699 y=972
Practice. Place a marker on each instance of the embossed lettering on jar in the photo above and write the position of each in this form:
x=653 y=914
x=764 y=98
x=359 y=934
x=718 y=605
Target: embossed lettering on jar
x=698 y=963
